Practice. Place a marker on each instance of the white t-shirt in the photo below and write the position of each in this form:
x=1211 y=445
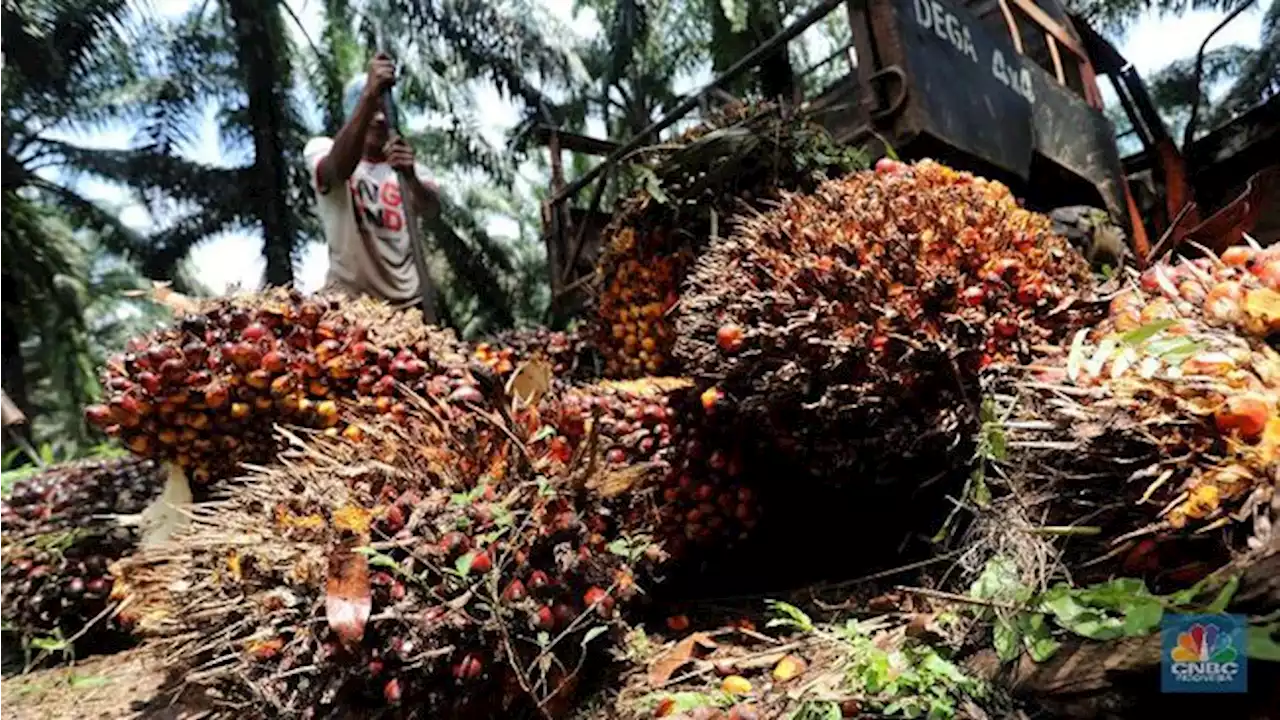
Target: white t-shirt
x=369 y=251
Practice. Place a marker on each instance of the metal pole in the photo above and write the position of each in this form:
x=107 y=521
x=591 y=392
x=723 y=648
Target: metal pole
x=786 y=34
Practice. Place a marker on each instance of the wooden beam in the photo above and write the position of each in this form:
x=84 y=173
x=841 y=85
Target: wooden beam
x=574 y=142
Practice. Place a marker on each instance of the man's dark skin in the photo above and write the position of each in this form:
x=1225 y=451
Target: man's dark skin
x=366 y=134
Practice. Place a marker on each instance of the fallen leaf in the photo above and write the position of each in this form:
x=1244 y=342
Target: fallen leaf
x=352 y=518
x=233 y=564
x=531 y=381
x=616 y=482
x=265 y=649
x=788 y=667
x=347 y=603
x=665 y=666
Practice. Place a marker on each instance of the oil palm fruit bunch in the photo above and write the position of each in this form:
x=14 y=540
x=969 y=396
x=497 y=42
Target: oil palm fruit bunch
x=1175 y=423
x=60 y=536
x=739 y=159
x=205 y=393
x=465 y=560
x=1238 y=289
x=706 y=497
x=855 y=320
x=570 y=356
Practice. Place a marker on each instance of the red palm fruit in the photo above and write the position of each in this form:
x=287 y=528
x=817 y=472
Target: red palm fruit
x=1237 y=256
x=385 y=385
x=600 y=599
x=394 y=517
x=99 y=415
x=216 y=395
x=481 y=563
x=710 y=398
x=1269 y=274
x=515 y=591
x=359 y=349
x=542 y=619
x=455 y=543
x=274 y=362
x=391 y=691
x=397 y=591
x=564 y=614
x=1245 y=414
x=149 y=382
x=538 y=581
x=253 y=333
x=729 y=338
x=283 y=385
x=974 y=296
x=469 y=667
x=327 y=350
x=888 y=166
x=258 y=379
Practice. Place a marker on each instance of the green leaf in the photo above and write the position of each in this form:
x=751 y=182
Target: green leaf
x=1142 y=618
x=1224 y=596
x=998 y=581
x=791 y=615
x=653 y=185
x=49 y=644
x=1005 y=638
x=1146 y=332
x=544 y=432
x=593 y=633
x=89 y=681
x=981 y=493
x=1261 y=644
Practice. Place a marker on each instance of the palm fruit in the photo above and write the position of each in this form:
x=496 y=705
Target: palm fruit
x=1240 y=289
x=205 y=393
x=569 y=354
x=739 y=159
x=60 y=537
x=470 y=555
x=1174 y=421
x=852 y=323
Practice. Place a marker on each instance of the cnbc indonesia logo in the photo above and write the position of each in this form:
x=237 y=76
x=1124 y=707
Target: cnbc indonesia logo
x=1204 y=653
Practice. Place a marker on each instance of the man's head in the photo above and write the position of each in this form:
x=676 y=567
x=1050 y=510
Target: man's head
x=376 y=135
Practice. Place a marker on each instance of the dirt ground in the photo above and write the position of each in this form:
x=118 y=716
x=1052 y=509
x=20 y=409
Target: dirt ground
x=111 y=686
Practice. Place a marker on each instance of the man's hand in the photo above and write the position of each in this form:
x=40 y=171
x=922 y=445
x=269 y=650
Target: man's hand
x=400 y=155
x=401 y=159
x=382 y=74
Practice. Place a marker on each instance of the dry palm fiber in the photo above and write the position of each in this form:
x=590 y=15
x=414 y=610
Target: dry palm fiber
x=1155 y=435
x=60 y=536
x=464 y=559
x=695 y=187
x=205 y=393
x=856 y=319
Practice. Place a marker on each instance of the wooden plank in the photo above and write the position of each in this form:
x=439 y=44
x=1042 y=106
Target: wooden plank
x=574 y=142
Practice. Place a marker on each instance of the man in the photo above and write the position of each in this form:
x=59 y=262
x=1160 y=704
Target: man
x=359 y=198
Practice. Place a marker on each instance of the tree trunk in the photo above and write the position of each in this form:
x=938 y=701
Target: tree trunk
x=261 y=49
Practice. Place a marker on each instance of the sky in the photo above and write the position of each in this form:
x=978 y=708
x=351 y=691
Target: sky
x=234 y=259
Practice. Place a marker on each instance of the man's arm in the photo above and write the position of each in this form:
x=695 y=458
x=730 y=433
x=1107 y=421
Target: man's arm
x=337 y=166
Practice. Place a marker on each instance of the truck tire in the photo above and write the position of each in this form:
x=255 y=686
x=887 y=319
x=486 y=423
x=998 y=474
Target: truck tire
x=1091 y=232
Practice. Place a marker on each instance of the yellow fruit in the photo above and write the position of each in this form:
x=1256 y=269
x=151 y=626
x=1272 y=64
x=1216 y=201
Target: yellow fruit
x=736 y=685
x=787 y=668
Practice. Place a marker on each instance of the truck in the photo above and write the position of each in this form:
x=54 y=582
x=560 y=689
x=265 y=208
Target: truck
x=1008 y=89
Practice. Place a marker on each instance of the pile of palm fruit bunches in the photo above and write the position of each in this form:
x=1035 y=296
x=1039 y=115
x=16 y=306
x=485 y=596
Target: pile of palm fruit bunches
x=1153 y=437
x=430 y=529
x=60 y=538
x=740 y=160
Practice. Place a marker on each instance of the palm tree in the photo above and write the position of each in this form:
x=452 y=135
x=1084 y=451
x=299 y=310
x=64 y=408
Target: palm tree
x=63 y=61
